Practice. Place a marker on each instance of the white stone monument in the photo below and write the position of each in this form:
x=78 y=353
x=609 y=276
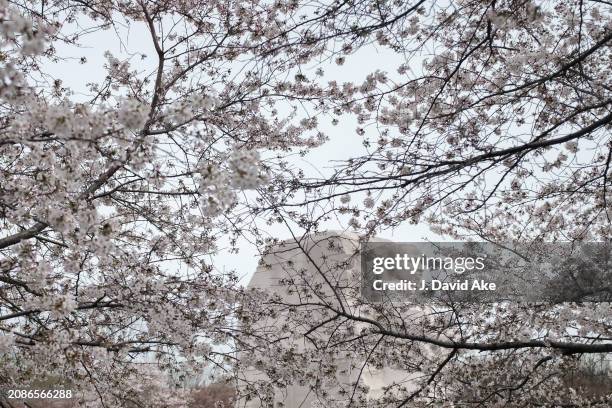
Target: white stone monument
x=330 y=259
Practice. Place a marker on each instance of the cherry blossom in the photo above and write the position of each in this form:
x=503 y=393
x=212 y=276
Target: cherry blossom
x=490 y=122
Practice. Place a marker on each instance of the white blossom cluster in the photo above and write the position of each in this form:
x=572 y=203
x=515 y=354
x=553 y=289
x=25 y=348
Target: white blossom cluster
x=133 y=114
x=245 y=166
x=19 y=37
x=215 y=189
x=16 y=28
x=6 y=342
x=195 y=106
x=218 y=185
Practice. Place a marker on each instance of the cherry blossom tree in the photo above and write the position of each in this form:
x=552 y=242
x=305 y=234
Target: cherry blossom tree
x=494 y=125
x=111 y=204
